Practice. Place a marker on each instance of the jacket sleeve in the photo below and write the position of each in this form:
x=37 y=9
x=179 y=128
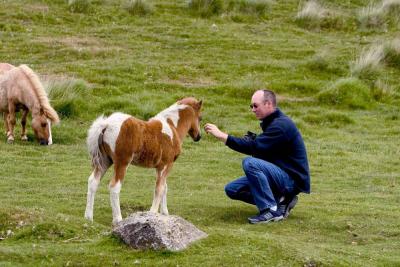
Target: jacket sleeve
x=264 y=143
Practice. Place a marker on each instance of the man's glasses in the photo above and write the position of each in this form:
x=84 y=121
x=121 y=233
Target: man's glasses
x=253 y=106
x=256 y=105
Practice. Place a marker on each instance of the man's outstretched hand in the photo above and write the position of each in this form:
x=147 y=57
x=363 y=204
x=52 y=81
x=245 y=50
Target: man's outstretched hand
x=213 y=130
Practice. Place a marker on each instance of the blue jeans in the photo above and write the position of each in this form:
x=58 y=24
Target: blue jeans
x=263 y=185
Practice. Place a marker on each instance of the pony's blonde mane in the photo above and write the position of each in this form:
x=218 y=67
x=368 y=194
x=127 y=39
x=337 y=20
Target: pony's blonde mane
x=40 y=94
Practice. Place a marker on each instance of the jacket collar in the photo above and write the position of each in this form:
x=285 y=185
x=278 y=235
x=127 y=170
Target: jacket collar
x=267 y=120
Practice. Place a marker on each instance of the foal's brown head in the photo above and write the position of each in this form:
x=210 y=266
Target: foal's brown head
x=195 y=130
x=41 y=126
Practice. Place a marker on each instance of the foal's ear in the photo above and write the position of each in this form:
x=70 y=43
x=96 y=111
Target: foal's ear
x=199 y=104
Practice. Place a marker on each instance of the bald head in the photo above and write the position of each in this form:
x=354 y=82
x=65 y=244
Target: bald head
x=268 y=95
x=263 y=103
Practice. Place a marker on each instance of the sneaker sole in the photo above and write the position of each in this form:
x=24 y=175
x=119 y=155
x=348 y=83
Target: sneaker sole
x=290 y=206
x=276 y=219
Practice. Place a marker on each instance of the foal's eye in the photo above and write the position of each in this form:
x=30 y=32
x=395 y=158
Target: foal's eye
x=44 y=125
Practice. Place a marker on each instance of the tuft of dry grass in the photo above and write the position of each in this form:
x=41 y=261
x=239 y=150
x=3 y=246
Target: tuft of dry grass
x=370 y=16
x=368 y=65
x=312 y=10
x=314 y=16
x=376 y=16
x=138 y=7
x=382 y=91
x=391 y=6
x=66 y=94
x=392 y=53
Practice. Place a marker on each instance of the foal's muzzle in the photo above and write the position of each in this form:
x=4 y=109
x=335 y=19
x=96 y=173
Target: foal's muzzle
x=197 y=138
x=43 y=142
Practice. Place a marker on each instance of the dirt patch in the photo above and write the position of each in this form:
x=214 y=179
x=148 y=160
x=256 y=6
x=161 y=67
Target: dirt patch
x=190 y=83
x=11 y=221
x=80 y=43
x=36 y=8
x=282 y=98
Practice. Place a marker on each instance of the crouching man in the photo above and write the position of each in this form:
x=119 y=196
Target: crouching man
x=277 y=170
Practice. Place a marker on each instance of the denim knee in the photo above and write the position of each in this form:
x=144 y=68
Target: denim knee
x=250 y=165
x=247 y=163
x=229 y=191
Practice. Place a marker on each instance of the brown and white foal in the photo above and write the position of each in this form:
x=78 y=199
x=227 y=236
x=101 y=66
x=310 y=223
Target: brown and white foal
x=121 y=139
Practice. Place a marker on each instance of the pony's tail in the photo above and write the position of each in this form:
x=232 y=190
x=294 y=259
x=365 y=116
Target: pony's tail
x=94 y=142
x=40 y=93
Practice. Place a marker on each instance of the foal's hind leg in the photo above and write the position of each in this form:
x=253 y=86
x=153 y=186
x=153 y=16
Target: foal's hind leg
x=93 y=183
x=115 y=188
x=23 y=124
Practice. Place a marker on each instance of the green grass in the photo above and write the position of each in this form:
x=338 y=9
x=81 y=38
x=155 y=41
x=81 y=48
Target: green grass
x=206 y=8
x=79 y=6
x=348 y=92
x=104 y=60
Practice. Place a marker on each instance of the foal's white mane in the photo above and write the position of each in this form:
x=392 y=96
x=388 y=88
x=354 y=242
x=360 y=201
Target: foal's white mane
x=171 y=113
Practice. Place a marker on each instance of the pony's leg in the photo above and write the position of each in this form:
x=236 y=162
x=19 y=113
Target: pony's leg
x=115 y=188
x=160 y=190
x=23 y=124
x=164 y=209
x=11 y=122
x=93 y=183
x=5 y=117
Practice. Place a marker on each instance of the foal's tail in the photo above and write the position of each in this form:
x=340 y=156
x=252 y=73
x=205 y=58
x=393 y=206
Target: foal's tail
x=94 y=142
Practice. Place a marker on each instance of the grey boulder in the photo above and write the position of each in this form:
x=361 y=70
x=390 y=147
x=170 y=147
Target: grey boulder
x=147 y=230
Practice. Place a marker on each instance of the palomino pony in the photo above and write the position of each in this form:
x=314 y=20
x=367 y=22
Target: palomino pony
x=21 y=89
x=122 y=139
x=4 y=67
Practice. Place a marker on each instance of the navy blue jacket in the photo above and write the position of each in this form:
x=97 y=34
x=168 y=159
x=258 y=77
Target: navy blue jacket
x=281 y=144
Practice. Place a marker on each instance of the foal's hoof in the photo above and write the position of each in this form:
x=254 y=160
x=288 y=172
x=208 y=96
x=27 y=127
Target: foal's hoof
x=89 y=218
x=116 y=222
x=24 y=138
x=10 y=140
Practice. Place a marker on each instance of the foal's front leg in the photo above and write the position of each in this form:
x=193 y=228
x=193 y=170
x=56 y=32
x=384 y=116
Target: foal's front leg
x=160 y=192
x=164 y=209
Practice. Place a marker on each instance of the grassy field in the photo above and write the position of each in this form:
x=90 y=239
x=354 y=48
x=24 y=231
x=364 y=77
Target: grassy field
x=104 y=59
